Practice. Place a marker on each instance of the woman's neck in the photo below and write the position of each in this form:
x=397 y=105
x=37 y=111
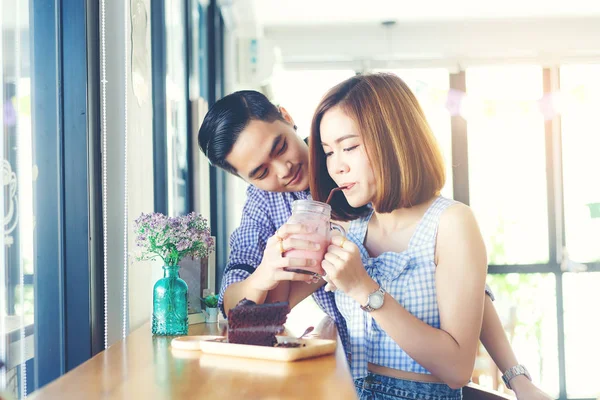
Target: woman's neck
x=400 y=219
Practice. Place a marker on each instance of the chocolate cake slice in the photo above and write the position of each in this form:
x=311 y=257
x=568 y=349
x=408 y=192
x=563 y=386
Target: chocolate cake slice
x=257 y=324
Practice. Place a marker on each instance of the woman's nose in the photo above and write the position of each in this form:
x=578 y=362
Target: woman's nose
x=341 y=167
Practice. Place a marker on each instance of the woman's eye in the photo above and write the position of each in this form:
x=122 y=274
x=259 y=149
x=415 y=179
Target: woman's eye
x=350 y=148
x=327 y=154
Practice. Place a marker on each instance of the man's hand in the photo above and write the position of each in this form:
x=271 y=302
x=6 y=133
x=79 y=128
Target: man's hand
x=271 y=270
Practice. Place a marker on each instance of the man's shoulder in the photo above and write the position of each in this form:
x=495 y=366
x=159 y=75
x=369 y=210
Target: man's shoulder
x=255 y=194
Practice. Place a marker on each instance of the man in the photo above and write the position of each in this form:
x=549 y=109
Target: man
x=248 y=136
x=245 y=134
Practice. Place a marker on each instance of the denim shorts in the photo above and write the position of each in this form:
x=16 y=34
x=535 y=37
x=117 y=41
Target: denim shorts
x=379 y=387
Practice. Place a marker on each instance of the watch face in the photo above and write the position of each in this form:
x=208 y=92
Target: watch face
x=376 y=300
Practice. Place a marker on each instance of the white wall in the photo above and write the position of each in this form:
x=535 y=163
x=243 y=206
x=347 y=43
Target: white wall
x=450 y=44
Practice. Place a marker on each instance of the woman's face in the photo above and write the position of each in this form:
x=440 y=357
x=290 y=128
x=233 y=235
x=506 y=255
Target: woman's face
x=347 y=161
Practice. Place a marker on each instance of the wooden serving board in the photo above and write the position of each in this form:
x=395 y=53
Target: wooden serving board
x=212 y=345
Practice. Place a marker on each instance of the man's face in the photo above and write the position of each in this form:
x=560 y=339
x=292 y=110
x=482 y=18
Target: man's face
x=270 y=156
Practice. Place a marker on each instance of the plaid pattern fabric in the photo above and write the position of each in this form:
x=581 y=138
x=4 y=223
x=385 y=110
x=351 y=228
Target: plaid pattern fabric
x=409 y=277
x=263 y=213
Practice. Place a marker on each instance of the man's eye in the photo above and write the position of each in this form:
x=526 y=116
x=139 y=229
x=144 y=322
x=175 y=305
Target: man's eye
x=264 y=174
x=283 y=148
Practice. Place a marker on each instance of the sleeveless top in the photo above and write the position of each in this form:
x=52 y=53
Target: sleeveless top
x=409 y=277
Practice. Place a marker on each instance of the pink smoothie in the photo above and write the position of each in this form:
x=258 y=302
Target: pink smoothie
x=307 y=254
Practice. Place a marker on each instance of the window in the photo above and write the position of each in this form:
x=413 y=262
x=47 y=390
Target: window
x=580 y=128
x=514 y=141
x=19 y=173
x=580 y=85
x=507 y=167
x=176 y=108
x=526 y=304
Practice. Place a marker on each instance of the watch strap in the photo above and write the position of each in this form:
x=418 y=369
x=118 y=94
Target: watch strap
x=513 y=372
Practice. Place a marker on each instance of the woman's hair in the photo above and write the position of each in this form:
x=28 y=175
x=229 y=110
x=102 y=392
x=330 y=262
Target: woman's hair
x=406 y=161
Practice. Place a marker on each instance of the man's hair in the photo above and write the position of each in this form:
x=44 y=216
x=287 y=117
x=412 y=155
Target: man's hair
x=406 y=161
x=227 y=118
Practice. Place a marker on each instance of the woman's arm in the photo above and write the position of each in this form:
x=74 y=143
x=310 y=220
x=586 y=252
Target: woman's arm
x=494 y=338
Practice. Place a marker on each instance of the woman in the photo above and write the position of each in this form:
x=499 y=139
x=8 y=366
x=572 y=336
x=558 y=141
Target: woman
x=231 y=131
x=410 y=278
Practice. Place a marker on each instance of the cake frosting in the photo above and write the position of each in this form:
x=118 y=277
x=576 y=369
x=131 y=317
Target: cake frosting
x=257 y=324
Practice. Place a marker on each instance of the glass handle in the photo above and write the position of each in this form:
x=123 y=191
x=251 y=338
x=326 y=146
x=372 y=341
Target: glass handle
x=338 y=228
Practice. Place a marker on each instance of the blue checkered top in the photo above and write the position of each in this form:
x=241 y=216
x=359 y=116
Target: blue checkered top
x=264 y=212
x=409 y=277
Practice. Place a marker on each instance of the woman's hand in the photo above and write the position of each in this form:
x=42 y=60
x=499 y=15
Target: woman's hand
x=329 y=286
x=526 y=390
x=271 y=270
x=345 y=270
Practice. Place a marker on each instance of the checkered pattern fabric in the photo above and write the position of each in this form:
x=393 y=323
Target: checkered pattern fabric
x=409 y=277
x=263 y=213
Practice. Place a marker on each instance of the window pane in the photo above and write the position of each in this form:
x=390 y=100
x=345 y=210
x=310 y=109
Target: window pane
x=176 y=108
x=580 y=85
x=526 y=304
x=507 y=167
x=582 y=330
x=299 y=92
x=431 y=85
x=16 y=268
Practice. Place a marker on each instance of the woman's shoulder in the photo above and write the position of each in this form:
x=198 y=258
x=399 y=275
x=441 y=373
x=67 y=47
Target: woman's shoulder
x=458 y=232
x=456 y=209
x=457 y=222
x=457 y=218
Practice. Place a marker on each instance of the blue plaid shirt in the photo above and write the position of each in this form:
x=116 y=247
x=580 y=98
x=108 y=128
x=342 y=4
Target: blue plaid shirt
x=263 y=213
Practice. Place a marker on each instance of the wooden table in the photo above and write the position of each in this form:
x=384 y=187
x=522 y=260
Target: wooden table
x=145 y=367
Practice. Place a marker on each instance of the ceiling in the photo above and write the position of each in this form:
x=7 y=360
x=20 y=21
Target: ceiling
x=270 y=13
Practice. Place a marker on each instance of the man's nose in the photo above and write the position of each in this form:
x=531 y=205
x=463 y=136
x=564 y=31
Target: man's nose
x=284 y=170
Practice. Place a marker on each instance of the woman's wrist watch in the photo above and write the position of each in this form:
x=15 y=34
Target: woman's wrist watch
x=514 y=371
x=374 y=301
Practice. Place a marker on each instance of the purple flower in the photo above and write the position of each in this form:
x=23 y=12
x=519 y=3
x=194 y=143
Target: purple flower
x=172 y=238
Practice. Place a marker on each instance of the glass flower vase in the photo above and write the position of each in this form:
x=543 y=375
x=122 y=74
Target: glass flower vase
x=170 y=304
